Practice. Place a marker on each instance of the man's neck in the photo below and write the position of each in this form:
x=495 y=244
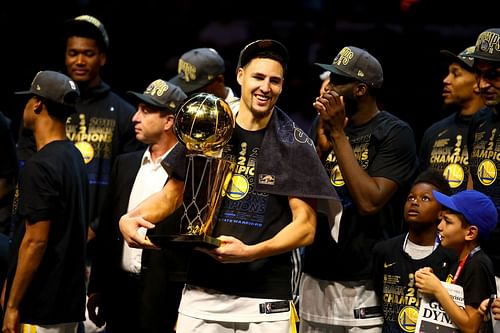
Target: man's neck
x=247 y=120
x=159 y=148
x=47 y=131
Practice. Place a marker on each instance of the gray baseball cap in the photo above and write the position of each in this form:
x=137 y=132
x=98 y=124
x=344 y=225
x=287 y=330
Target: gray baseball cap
x=53 y=86
x=464 y=58
x=197 y=68
x=488 y=45
x=358 y=64
x=161 y=94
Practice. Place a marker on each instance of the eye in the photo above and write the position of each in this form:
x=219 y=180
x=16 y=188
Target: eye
x=411 y=198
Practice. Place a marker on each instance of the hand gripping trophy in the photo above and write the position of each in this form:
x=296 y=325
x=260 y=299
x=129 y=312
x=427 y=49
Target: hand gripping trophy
x=204 y=124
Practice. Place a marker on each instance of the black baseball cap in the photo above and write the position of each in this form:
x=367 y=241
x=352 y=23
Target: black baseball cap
x=488 y=45
x=161 y=94
x=358 y=64
x=197 y=68
x=463 y=58
x=87 y=26
x=54 y=86
x=264 y=48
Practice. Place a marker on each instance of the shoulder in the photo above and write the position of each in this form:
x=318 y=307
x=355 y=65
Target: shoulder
x=481 y=260
x=447 y=254
x=122 y=104
x=388 y=119
x=130 y=156
x=389 y=245
x=441 y=124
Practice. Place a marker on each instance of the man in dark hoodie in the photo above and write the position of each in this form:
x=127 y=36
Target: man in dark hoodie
x=102 y=127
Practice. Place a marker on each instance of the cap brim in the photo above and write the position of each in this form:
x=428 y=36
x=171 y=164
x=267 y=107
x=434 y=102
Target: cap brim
x=484 y=57
x=190 y=87
x=335 y=70
x=445 y=200
x=25 y=92
x=146 y=99
x=452 y=57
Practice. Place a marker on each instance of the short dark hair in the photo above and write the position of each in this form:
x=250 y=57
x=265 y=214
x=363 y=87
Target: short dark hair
x=88 y=27
x=435 y=178
x=57 y=110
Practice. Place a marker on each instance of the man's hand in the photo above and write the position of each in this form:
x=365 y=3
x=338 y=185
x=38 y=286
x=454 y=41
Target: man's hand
x=231 y=250
x=11 y=321
x=427 y=282
x=331 y=109
x=95 y=310
x=129 y=227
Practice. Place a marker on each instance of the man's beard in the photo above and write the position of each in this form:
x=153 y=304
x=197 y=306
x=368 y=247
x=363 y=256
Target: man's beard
x=350 y=105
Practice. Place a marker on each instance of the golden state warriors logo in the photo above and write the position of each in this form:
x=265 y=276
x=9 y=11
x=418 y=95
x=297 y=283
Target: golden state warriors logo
x=487 y=172
x=238 y=188
x=336 y=177
x=86 y=150
x=454 y=174
x=407 y=318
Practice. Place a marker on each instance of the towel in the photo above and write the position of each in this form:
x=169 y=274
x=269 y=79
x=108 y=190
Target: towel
x=287 y=165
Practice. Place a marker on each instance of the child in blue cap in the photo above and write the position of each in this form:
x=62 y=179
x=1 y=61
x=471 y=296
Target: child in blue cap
x=467 y=218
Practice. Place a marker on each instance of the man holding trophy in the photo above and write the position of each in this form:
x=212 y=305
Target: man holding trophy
x=267 y=205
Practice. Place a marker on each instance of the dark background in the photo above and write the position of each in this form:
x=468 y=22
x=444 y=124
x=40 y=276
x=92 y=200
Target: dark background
x=147 y=37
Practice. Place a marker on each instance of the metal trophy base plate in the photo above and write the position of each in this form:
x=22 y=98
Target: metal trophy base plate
x=184 y=240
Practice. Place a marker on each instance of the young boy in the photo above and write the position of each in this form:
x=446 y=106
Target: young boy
x=397 y=259
x=468 y=219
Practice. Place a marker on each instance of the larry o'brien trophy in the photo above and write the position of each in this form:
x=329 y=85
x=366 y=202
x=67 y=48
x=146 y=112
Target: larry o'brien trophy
x=204 y=124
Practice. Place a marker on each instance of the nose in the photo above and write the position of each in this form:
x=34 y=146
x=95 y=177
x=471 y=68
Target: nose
x=265 y=86
x=136 y=117
x=413 y=201
x=80 y=59
x=481 y=82
x=446 y=79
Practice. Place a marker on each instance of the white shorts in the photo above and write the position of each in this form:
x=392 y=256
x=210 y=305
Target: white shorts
x=346 y=303
x=186 y=324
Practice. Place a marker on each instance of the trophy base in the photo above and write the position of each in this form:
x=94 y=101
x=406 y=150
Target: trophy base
x=190 y=241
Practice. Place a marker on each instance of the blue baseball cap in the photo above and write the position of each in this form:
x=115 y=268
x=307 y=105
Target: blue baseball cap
x=475 y=206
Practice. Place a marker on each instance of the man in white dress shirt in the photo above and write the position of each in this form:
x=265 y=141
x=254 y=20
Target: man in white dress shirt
x=120 y=281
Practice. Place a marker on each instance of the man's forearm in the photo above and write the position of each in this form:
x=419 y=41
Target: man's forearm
x=161 y=204
x=30 y=257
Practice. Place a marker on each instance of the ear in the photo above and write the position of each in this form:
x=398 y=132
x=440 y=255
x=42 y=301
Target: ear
x=239 y=75
x=360 y=90
x=37 y=105
x=471 y=233
x=102 y=59
x=475 y=89
x=169 y=123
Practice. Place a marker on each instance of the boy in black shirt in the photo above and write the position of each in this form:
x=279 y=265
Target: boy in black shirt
x=469 y=217
x=397 y=259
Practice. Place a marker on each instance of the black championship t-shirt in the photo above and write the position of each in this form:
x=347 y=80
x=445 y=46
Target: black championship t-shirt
x=394 y=280
x=54 y=186
x=384 y=147
x=251 y=217
x=484 y=163
x=444 y=148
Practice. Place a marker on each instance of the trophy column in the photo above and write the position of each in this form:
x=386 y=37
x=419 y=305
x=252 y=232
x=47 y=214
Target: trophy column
x=204 y=124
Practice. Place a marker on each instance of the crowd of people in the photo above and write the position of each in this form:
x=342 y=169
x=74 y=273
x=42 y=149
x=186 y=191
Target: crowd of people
x=345 y=227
